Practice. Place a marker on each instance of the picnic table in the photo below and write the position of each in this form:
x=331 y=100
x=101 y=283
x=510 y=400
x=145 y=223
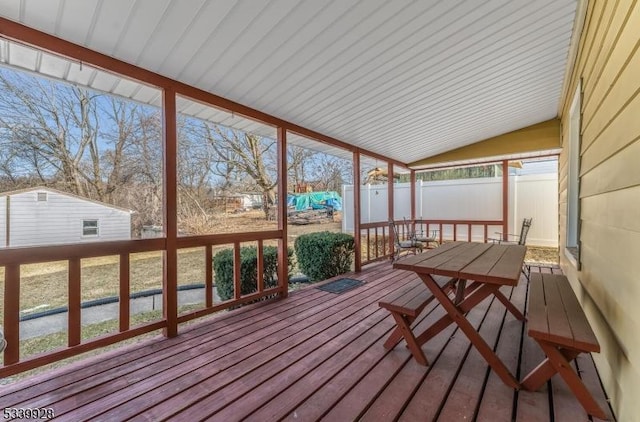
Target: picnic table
x=487 y=267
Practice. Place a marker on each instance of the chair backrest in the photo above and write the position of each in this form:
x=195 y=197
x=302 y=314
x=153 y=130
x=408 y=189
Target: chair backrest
x=396 y=236
x=526 y=224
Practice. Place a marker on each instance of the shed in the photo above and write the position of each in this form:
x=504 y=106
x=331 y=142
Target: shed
x=43 y=216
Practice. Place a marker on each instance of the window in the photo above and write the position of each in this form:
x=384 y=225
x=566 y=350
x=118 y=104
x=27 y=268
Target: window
x=89 y=227
x=573 y=184
x=42 y=196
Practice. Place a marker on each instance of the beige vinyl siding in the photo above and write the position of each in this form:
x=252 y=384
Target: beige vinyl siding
x=608 y=284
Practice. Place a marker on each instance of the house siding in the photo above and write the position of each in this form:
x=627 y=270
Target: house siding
x=58 y=220
x=608 y=63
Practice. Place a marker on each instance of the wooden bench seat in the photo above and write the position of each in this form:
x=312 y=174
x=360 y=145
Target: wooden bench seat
x=405 y=304
x=556 y=321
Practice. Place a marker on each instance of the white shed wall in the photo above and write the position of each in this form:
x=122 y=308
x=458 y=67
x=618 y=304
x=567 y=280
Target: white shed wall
x=58 y=220
x=3 y=222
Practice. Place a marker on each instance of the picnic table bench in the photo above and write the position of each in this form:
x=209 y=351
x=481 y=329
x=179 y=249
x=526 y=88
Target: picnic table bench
x=405 y=305
x=558 y=324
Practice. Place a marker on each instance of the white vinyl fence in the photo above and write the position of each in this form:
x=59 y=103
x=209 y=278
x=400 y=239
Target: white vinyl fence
x=534 y=196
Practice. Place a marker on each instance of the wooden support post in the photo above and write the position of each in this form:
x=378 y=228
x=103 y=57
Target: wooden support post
x=283 y=259
x=413 y=196
x=74 y=317
x=505 y=199
x=12 y=313
x=356 y=212
x=124 y=292
x=170 y=217
x=390 y=204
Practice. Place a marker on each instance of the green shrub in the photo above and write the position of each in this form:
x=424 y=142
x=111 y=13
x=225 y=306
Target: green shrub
x=223 y=269
x=323 y=255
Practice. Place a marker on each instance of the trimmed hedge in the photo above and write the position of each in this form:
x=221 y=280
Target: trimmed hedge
x=324 y=255
x=223 y=269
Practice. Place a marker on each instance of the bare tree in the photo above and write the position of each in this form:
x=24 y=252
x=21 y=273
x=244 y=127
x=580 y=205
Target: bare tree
x=332 y=172
x=244 y=153
x=299 y=161
x=77 y=140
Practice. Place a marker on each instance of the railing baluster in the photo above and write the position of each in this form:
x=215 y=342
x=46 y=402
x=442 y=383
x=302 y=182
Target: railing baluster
x=74 y=316
x=376 y=240
x=12 y=313
x=237 y=268
x=469 y=234
x=125 y=291
x=368 y=245
x=260 y=267
x=208 y=275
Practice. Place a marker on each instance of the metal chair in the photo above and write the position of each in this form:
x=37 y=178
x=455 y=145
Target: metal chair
x=425 y=238
x=409 y=245
x=520 y=239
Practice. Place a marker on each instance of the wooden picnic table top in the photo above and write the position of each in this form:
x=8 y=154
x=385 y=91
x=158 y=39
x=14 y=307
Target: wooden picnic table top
x=484 y=262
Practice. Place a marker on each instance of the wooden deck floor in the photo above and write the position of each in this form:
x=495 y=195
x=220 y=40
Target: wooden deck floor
x=315 y=355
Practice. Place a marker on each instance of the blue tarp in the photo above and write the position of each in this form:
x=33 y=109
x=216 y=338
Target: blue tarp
x=314 y=200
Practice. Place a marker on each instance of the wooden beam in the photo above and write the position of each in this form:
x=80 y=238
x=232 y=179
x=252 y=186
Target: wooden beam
x=170 y=217
x=356 y=212
x=283 y=258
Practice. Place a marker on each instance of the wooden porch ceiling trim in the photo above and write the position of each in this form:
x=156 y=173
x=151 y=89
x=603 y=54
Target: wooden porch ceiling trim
x=539 y=137
x=26 y=35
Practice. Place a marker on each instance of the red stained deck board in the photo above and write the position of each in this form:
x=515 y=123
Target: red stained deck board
x=435 y=388
x=303 y=367
x=465 y=396
x=216 y=359
x=123 y=358
x=496 y=403
x=353 y=404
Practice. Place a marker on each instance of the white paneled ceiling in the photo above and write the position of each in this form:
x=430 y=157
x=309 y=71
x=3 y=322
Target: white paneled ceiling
x=406 y=79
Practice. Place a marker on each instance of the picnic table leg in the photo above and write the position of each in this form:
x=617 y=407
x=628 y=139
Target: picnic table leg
x=514 y=311
x=478 y=295
x=543 y=372
x=397 y=334
x=405 y=328
x=574 y=382
x=466 y=327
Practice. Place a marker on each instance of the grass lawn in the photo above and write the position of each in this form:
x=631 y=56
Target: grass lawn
x=44 y=286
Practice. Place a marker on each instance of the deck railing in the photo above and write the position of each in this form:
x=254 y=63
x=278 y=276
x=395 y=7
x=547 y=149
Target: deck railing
x=377 y=244
x=12 y=259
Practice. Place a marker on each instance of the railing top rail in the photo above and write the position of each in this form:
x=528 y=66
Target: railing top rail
x=39 y=254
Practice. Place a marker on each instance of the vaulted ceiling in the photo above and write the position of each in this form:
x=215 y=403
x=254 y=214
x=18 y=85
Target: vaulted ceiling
x=406 y=79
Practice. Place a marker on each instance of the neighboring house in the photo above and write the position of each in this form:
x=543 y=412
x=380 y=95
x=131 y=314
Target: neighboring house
x=44 y=216
x=251 y=201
